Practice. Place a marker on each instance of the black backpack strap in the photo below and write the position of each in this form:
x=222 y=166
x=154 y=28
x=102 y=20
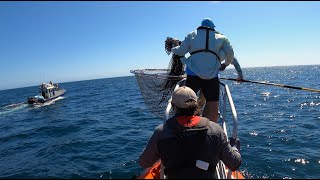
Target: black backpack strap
x=207 y=42
x=206 y=28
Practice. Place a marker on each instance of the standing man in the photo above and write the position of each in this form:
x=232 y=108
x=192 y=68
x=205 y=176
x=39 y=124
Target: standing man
x=203 y=65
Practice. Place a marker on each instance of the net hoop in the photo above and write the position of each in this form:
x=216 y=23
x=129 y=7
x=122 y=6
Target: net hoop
x=156 y=73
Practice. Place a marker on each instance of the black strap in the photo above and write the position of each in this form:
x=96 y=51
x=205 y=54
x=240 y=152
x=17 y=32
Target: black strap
x=194 y=52
x=207 y=43
x=206 y=28
x=207 y=39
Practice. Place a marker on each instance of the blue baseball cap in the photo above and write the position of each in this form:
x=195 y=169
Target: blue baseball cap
x=208 y=22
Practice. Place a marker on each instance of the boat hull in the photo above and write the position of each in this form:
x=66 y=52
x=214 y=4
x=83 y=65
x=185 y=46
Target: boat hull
x=35 y=100
x=153 y=172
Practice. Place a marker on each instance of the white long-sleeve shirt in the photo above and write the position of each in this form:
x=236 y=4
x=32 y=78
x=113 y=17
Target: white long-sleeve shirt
x=204 y=64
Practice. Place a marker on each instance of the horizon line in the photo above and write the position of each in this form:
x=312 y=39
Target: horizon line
x=147 y=68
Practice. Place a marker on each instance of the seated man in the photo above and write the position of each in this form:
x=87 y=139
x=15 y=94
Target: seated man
x=188 y=145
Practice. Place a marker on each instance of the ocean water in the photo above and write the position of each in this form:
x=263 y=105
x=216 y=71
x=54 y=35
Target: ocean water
x=100 y=127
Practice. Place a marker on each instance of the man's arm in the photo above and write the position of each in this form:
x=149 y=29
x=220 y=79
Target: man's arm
x=228 y=50
x=184 y=47
x=150 y=154
x=230 y=155
x=238 y=68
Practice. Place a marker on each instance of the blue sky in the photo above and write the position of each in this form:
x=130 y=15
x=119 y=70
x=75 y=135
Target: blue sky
x=71 y=41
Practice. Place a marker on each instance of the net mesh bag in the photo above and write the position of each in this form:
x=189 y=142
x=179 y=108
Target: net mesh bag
x=157 y=85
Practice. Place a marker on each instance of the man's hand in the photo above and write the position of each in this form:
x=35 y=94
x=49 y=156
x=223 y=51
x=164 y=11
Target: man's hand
x=239 y=79
x=171 y=43
x=223 y=67
x=176 y=42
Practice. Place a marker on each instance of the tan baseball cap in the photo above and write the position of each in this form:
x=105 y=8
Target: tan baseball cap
x=181 y=95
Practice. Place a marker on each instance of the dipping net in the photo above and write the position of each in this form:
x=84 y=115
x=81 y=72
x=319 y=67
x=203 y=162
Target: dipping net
x=157 y=85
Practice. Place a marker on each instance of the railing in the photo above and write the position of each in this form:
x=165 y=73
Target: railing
x=226 y=97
